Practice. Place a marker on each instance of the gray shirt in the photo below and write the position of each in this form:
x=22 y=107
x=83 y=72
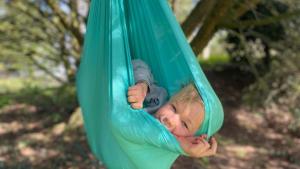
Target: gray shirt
x=156 y=96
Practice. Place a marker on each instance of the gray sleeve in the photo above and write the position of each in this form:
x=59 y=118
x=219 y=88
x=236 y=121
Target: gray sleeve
x=155 y=99
x=142 y=72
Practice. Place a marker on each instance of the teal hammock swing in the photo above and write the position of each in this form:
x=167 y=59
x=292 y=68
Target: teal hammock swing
x=117 y=32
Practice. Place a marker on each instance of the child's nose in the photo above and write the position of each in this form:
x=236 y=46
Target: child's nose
x=169 y=122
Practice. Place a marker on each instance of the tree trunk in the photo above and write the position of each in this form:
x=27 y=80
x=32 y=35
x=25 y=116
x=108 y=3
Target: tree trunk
x=210 y=25
x=196 y=17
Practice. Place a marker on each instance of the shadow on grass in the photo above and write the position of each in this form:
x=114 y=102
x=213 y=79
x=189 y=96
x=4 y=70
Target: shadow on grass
x=27 y=123
x=32 y=109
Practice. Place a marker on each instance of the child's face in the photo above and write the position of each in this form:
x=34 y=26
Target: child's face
x=181 y=119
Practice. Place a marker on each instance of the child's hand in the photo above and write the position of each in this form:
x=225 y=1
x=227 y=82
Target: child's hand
x=137 y=94
x=198 y=146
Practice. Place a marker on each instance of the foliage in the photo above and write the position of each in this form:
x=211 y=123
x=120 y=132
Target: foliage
x=281 y=84
x=214 y=61
x=47 y=35
x=271 y=53
x=42 y=36
x=251 y=45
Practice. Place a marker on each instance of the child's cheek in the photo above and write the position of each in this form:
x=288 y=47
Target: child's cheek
x=179 y=131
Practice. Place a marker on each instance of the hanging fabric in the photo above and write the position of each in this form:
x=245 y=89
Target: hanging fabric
x=117 y=32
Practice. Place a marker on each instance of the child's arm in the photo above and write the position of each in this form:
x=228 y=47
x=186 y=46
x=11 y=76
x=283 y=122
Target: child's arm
x=143 y=80
x=198 y=146
x=142 y=72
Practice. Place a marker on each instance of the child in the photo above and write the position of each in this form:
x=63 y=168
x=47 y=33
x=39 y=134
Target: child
x=182 y=115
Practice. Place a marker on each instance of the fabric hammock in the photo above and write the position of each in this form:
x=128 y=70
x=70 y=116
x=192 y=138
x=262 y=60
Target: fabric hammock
x=117 y=32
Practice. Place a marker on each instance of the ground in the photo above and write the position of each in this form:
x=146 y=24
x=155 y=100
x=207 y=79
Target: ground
x=33 y=138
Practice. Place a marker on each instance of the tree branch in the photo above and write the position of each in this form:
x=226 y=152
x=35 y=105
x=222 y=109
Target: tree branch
x=63 y=19
x=202 y=9
x=210 y=24
x=244 y=7
x=40 y=66
x=173 y=5
x=261 y=22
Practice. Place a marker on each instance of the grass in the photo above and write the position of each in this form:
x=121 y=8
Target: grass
x=44 y=96
x=15 y=84
x=214 y=60
x=12 y=84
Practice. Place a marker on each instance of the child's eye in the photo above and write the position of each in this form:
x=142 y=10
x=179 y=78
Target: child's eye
x=184 y=124
x=173 y=107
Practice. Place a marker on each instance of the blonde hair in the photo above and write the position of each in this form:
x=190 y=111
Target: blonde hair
x=188 y=95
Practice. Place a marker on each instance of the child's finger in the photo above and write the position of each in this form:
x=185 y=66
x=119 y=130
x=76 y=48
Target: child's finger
x=133 y=87
x=132 y=99
x=198 y=139
x=206 y=144
x=204 y=136
x=214 y=144
x=200 y=148
x=213 y=149
x=193 y=140
x=136 y=105
x=132 y=92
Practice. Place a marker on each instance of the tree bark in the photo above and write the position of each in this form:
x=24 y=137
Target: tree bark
x=173 y=5
x=196 y=17
x=210 y=24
